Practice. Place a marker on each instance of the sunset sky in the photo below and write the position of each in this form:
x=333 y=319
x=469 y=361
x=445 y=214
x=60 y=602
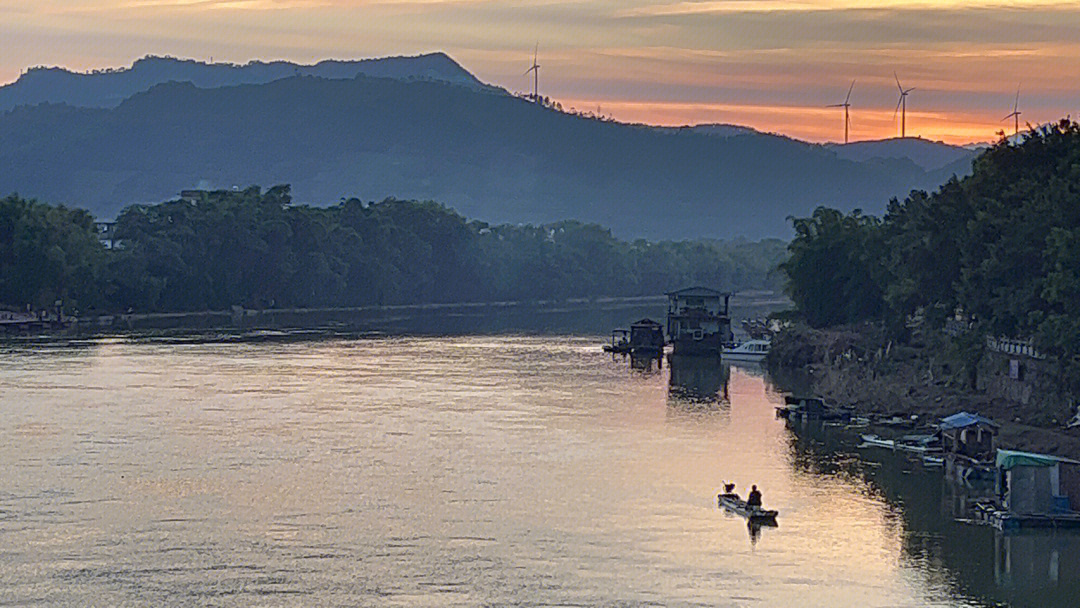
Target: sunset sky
x=769 y=64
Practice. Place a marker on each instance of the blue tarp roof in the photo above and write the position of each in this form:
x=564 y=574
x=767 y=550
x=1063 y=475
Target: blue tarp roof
x=964 y=420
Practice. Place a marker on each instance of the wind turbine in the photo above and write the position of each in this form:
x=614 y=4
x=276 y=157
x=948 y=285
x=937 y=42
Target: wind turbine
x=901 y=106
x=535 y=69
x=846 y=105
x=1015 y=113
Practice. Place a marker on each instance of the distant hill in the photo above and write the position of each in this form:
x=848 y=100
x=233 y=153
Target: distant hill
x=714 y=129
x=927 y=154
x=107 y=88
x=490 y=155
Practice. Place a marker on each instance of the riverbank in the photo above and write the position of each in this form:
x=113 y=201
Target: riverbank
x=577 y=315
x=931 y=378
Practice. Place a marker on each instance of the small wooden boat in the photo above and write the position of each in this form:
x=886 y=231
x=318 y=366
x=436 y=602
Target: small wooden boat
x=917 y=444
x=933 y=461
x=873 y=441
x=620 y=342
x=736 y=505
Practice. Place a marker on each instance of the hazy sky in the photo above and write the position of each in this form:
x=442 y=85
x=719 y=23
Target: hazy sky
x=770 y=64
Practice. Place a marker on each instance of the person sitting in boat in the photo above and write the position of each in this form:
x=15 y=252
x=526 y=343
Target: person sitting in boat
x=729 y=488
x=754 y=498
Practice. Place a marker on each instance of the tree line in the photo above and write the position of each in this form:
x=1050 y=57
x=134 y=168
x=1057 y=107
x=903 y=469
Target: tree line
x=1001 y=245
x=257 y=249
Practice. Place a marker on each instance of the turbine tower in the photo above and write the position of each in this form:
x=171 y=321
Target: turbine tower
x=901 y=106
x=1015 y=113
x=846 y=105
x=535 y=69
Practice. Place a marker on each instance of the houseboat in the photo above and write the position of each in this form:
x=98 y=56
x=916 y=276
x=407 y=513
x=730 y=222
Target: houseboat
x=645 y=337
x=698 y=321
x=1034 y=491
x=969 y=444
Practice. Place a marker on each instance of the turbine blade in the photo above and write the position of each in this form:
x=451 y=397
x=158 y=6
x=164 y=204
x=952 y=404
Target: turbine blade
x=898 y=82
x=897 y=110
x=850 y=89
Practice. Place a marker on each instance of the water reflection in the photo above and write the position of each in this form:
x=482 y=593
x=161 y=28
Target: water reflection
x=697 y=380
x=504 y=471
x=1030 y=568
x=647 y=364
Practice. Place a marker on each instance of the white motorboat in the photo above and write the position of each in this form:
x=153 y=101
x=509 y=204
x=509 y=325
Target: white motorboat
x=751 y=350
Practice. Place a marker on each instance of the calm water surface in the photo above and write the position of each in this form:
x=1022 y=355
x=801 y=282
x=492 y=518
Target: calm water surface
x=432 y=472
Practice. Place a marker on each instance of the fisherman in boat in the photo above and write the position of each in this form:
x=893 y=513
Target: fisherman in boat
x=754 y=498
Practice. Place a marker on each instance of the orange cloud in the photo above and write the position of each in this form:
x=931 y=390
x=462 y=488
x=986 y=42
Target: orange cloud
x=770 y=64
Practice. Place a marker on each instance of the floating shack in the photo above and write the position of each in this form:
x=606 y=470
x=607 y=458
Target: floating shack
x=1036 y=491
x=968 y=442
x=698 y=321
x=646 y=336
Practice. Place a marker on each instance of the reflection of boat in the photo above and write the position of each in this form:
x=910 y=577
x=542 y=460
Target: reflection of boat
x=736 y=505
x=697 y=379
x=644 y=362
x=810 y=408
x=751 y=350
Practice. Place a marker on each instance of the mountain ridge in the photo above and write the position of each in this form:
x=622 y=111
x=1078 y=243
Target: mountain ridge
x=108 y=88
x=489 y=155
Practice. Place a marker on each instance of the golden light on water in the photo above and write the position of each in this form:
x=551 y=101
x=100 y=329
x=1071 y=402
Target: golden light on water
x=471 y=470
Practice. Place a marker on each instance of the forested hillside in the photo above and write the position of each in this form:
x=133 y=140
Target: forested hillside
x=488 y=155
x=258 y=250
x=107 y=88
x=1002 y=245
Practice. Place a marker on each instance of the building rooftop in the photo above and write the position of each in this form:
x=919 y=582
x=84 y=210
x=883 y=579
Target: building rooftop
x=698 y=291
x=964 y=420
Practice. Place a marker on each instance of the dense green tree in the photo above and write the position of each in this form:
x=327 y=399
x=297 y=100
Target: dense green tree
x=1003 y=245
x=48 y=253
x=257 y=249
x=836 y=271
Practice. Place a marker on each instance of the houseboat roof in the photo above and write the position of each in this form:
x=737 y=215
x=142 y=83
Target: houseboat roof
x=645 y=323
x=965 y=420
x=1007 y=459
x=697 y=291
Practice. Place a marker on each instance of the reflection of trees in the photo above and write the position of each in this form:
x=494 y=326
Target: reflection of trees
x=1037 y=569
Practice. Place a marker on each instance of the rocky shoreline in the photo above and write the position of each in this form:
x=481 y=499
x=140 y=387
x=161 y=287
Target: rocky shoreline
x=932 y=377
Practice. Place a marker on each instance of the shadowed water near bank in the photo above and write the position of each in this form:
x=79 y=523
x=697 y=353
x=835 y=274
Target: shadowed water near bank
x=500 y=470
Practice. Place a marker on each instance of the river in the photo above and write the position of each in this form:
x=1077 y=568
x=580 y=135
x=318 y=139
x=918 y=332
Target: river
x=457 y=471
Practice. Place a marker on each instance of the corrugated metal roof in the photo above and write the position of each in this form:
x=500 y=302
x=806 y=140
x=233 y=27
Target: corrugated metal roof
x=964 y=420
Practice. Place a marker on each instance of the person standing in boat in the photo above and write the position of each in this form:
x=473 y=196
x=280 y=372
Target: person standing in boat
x=754 y=498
